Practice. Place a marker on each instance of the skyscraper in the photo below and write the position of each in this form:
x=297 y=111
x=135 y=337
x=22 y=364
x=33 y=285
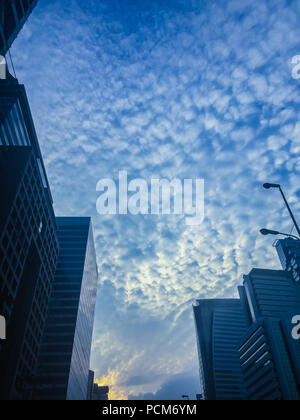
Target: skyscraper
x=289 y=254
x=65 y=353
x=100 y=393
x=220 y=325
x=13 y=15
x=268 y=369
x=271 y=293
x=29 y=251
x=89 y=396
x=28 y=242
x=272 y=299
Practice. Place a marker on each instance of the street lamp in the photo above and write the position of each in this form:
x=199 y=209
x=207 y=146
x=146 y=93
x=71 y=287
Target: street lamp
x=266 y=232
x=267 y=186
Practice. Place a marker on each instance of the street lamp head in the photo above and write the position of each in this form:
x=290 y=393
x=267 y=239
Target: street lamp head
x=266 y=232
x=267 y=186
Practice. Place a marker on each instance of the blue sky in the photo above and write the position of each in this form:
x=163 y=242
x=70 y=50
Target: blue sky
x=168 y=88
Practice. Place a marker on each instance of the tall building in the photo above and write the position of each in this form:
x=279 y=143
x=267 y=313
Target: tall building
x=29 y=250
x=220 y=326
x=89 y=396
x=100 y=393
x=65 y=353
x=266 y=362
x=13 y=15
x=28 y=242
x=271 y=293
x=289 y=254
x=272 y=299
x=96 y=392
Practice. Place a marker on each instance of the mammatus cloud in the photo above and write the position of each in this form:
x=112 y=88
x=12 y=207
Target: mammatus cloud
x=184 y=89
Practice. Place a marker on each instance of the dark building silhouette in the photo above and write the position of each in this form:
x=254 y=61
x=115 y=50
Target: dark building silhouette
x=270 y=293
x=220 y=325
x=13 y=15
x=100 y=393
x=266 y=363
x=96 y=392
x=90 y=385
x=289 y=254
x=65 y=353
x=269 y=355
x=28 y=242
x=51 y=363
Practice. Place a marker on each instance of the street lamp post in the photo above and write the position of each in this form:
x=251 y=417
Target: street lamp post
x=266 y=232
x=267 y=186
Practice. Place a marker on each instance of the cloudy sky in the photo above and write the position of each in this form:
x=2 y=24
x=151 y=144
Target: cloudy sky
x=166 y=88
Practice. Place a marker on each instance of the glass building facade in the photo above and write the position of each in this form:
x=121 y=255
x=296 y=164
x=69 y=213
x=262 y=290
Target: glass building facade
x=90 y=385
x=28 y=243
x=272 y=299
x=65 y=354
x=271 y=293
x=220 y=325
x=289 y=254
x=266 y=363
x=13 y=15
x=47 y=330
x=100 y=393
x=246 y=348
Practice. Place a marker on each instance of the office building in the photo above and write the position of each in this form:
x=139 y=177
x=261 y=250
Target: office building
x=220 y=326
x=271 y=293
x=96 y=392
x=272 y=299
x=29 y=250
x=65 y=353
x=289 y=254
x=13 y=15
x=266 y=362
x=100 y=393
x=28 y=242
x=90 y=385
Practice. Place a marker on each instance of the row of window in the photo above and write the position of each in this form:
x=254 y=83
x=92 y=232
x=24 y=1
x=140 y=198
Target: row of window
x=13 y=130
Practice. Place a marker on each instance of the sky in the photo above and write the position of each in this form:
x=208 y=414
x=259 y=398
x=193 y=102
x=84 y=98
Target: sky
x=168 y=89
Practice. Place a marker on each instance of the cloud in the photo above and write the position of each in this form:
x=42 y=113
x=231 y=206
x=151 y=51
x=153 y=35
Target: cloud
x=185 y=89
x=173 y=389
